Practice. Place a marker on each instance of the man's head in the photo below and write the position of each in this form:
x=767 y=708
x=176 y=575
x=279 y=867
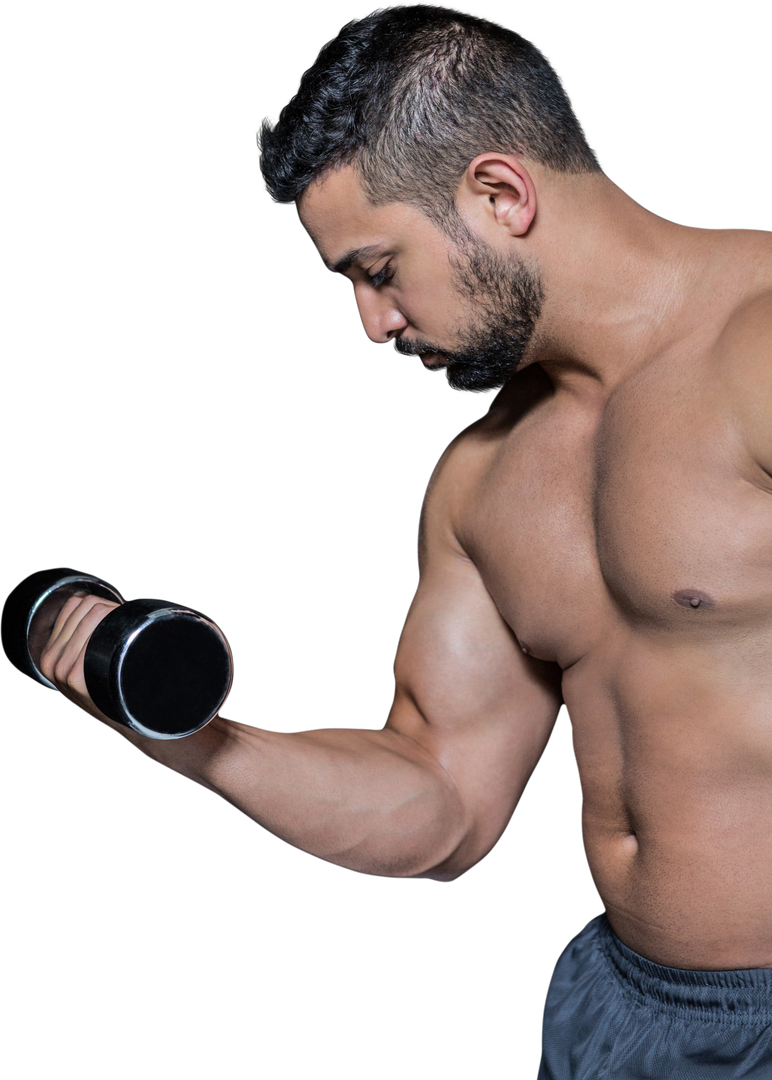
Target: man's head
x=460 y=305
x=405 y=100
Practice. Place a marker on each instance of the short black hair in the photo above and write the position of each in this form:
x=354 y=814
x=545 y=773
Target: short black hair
x=411 y=95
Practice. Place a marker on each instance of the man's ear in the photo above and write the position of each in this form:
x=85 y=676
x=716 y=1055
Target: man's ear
x=500 y=187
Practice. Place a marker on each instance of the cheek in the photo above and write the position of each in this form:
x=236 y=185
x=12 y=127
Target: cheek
x=434 y=307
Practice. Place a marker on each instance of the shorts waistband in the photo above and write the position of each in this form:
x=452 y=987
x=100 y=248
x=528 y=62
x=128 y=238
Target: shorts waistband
x=733 y=994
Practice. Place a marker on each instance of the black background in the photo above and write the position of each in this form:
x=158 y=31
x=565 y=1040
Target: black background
x=192 y=412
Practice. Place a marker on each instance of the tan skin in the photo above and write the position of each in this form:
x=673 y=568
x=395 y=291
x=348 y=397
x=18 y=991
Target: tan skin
x=602 y=537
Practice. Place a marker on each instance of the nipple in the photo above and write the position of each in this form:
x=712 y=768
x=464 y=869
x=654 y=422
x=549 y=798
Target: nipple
x=525 y=648
x=693 y=598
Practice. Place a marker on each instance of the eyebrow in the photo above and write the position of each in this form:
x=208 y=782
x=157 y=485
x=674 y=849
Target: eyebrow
x=348 y=260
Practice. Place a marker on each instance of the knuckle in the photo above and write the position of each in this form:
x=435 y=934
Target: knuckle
x=71 y=605
x=60 y=672
x=102 y=607
x=45 y=665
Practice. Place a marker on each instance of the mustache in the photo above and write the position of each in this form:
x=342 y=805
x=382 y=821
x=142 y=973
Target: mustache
x=416 y=348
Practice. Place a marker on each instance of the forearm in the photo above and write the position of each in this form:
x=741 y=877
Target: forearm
x=373 y=801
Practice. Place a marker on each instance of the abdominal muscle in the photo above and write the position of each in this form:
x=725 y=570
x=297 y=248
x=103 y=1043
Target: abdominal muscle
x=673 y=740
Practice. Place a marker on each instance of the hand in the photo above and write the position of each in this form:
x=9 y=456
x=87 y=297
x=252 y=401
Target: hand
x=62 y=658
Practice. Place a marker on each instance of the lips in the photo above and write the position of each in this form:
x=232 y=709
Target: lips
x=433 y=360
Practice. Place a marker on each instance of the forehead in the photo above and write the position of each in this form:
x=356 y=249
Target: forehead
x=339 y=218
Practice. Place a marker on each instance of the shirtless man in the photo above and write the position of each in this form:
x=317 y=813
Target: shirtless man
x=601 y=538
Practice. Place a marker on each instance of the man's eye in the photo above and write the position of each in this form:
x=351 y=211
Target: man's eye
x=386 y=274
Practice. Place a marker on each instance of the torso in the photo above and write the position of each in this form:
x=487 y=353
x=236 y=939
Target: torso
x=630 y=542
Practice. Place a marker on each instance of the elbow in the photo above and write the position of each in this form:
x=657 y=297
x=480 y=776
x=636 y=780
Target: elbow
x=453 y=865
x=439 y=873
x=428 y=835
x=422 y=831
x=461 y=845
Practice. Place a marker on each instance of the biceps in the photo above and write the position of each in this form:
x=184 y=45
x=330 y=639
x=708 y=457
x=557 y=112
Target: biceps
x=459 y=660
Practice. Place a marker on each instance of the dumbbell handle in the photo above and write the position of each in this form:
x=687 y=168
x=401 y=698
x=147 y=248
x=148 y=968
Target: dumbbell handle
x=159 y=668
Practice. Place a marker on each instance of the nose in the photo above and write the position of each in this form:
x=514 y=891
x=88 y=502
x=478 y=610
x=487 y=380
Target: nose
x=381 y=320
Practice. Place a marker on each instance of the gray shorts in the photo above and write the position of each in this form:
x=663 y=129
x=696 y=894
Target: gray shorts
x=614 y=1015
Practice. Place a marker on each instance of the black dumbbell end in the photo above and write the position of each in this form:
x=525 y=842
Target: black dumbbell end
x=159 y=668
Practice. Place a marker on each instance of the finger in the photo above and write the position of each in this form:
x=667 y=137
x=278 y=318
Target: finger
x=62 y=651
x=64 y=613
x=69 y=671
x=76 y=608
x=68 y=668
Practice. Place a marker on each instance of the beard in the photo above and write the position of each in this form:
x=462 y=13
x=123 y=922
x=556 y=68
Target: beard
x=508 y=299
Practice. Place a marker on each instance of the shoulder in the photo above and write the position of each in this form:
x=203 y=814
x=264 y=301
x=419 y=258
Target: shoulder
x=748 y=328
x=744 y=365
x=463 y=468
x=458 y=474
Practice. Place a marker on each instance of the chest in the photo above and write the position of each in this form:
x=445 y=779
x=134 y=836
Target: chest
x=631 y=514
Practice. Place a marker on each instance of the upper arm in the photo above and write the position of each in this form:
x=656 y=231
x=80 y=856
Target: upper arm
x=464 y=689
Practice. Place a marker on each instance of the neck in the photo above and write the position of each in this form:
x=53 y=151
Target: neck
x=620 y=284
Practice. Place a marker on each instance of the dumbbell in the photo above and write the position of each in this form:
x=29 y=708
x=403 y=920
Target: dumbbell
x=159 y=668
